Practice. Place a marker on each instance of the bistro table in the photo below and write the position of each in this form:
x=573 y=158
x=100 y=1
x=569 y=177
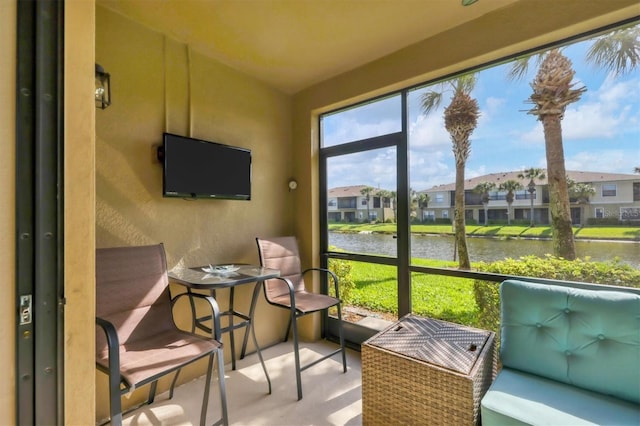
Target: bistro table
x=216 y=277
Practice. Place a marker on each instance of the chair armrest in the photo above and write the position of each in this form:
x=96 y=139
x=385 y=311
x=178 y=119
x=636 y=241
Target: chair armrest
x=215 y=312
x=329 y=272
x=292 y=298
x=113 y=346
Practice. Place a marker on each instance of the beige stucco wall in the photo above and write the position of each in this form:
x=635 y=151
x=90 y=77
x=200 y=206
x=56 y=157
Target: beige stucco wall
x=79 y=212
x=160 y=84
x=7 y=212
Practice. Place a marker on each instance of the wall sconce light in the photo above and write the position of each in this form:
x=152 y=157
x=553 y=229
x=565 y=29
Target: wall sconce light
x=103 y=88
x=292 y=184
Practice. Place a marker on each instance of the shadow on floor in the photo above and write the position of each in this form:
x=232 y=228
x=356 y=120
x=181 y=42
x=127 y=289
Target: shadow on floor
x=331 y=397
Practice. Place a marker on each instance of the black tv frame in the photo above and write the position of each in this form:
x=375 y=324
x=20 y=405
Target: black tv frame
x=222 y=182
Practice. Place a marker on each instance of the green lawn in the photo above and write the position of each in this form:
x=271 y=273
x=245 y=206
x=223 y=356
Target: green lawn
x=435 y=296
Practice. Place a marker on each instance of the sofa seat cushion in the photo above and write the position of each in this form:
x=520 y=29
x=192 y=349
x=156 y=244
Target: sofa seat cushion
x=518 y=398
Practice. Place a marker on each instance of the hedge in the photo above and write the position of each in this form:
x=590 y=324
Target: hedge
x=551 y=267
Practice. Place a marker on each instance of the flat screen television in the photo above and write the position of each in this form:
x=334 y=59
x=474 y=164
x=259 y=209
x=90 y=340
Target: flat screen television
x=195 y=168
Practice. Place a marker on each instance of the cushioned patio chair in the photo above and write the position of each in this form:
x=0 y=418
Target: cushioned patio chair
x=289 y=292
x=139 y=341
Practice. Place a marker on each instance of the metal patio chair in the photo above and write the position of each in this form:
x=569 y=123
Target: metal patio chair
x=139 y=342
x=289 y=292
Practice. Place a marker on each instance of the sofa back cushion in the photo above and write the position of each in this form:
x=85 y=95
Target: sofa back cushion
x=586 y=338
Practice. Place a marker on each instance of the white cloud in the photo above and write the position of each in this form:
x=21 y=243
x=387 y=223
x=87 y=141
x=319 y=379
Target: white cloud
x=430 y=156
x=492 y=108
x=612 y=161
x=429 y=168
x=374 y=168
x=613 y=91
x=429 y=131
x=349 y=129
x=534 y=136
x=604 y=114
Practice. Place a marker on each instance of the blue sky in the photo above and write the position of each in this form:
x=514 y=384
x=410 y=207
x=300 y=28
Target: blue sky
x=601 y=132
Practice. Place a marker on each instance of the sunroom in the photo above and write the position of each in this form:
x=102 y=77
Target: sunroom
x=286 y=81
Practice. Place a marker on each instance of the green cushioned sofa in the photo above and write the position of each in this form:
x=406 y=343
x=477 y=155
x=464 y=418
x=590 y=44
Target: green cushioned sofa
x=570 y=356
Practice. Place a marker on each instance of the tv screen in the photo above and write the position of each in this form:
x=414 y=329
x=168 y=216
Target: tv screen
x=195 y=168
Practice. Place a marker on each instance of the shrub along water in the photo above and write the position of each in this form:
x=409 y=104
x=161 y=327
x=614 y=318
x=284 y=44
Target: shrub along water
x=581 y=270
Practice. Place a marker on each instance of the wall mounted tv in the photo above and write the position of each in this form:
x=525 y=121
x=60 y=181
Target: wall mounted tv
x=195 y=168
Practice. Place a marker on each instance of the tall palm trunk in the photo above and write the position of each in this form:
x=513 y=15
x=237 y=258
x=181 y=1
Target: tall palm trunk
x=460 y=119
x=486 y=213
x=531 y=210
x=552 y=92
x=458 y=217
x=563 y=241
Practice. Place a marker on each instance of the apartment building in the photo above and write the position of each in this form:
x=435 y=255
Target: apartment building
x=352 y=204
x=615 y=196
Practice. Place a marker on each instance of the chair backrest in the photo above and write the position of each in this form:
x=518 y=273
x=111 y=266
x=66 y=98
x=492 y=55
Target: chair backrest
x=281 y=253
x=132 y=292
x=587 y=338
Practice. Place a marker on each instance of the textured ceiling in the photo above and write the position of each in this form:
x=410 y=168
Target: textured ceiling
x=293 y=44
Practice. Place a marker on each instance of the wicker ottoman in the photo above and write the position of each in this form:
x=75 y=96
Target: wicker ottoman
x=422 y=371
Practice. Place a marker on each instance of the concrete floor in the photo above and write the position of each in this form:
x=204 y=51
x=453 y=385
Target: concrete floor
x=330 y=397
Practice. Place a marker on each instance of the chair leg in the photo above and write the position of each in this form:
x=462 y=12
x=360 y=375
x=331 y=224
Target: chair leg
x=173 y=383
x=286 y=335
x=296 y=352
x=205 y=398
x=223 y=396
x=341 y=333
x=115 y=404
x=222 y=386
x=152 y=392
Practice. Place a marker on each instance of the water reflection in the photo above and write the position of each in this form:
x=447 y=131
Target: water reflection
x=482 y=249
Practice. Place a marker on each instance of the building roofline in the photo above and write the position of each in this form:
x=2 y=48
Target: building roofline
x=498 y=178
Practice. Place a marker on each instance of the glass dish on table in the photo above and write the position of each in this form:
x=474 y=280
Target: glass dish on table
x=220 y=269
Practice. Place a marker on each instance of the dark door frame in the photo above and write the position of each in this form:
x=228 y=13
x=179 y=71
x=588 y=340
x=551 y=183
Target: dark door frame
x=355 y=334
x=39 y=212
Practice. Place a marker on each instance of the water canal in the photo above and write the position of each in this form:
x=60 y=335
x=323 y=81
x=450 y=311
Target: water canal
x=483 y=249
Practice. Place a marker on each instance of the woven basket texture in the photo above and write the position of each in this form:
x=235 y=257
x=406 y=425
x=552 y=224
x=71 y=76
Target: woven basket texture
x=403 y=382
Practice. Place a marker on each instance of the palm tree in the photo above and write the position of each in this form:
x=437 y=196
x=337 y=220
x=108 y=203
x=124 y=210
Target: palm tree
x=553 y=90
x=393 y=195
x=366 y=192
x=532 y=174
x=582 y=192
x=510 y=187
x=483 y=189
x=413 y=204
x=384 y=197
x=617 y=52
x=423 y=203
x=460 y=120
